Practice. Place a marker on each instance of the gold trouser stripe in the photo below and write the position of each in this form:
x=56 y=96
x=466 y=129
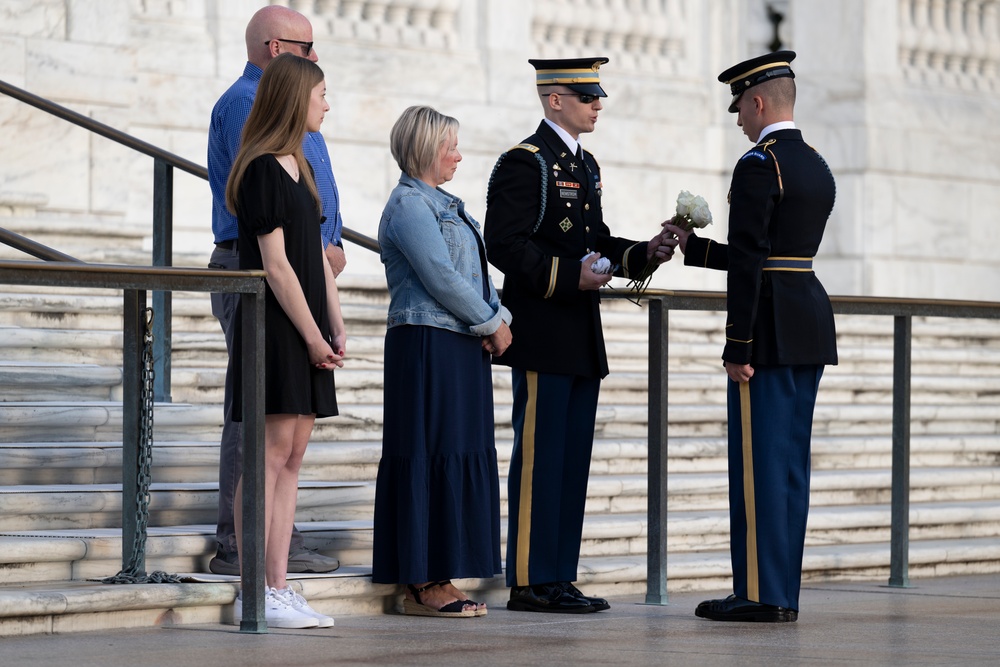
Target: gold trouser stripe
x=753 y=583
x=553 y=274
x=527 y=470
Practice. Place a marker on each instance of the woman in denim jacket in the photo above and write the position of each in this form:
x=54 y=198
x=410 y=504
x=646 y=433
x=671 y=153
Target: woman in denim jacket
x=437 y=497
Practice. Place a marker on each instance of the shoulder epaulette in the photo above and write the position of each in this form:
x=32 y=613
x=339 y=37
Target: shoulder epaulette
x=528 y=147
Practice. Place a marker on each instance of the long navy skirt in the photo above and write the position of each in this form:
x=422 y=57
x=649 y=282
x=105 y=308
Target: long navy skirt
x=437 y=496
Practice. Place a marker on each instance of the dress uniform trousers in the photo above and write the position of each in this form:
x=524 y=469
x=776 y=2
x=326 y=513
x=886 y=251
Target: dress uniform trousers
x=770 y=423
x=553 y=419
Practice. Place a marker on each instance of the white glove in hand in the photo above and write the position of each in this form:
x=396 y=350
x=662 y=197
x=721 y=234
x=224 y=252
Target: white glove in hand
x=602 y=265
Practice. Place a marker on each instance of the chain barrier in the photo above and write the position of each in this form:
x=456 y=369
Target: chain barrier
x=130 y=573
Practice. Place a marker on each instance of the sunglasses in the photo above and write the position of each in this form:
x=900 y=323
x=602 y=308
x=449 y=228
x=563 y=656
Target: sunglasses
x=306 y=46
x=584 y=98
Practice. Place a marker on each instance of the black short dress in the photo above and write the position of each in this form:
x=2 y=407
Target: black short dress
x=270 y=198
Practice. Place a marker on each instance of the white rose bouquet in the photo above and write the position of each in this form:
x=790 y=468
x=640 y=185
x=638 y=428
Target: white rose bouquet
x=692 y=211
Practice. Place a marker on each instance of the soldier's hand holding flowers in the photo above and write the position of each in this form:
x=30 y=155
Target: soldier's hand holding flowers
x=692 y=213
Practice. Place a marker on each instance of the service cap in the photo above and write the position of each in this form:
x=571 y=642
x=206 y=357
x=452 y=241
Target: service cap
x=581 y=75
x=749 y=73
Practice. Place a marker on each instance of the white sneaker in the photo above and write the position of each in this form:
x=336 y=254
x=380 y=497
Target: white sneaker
x=299 y=604
x=277 y=612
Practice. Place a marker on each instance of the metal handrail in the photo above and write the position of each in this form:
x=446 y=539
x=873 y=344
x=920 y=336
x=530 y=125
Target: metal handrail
x=164 y=162
x=902 y=310
x=135 y=281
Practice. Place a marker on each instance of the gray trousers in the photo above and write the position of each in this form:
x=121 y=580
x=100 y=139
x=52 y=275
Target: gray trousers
x=231 y=447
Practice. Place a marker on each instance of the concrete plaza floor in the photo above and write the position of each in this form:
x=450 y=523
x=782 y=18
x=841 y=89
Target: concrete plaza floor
x=941 y=621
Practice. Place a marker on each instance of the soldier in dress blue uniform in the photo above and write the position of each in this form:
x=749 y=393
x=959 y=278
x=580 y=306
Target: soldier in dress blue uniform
x=779 y=336
x=545 y=231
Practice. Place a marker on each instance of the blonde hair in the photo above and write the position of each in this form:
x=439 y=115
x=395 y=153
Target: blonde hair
x=277 y=122
x=417 y=136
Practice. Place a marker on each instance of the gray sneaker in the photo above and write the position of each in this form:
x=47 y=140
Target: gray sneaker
x=303 y=561
x=224 y=563
x=307 y=560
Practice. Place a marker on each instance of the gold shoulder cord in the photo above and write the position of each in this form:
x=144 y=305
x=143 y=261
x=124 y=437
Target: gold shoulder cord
x=777 y=167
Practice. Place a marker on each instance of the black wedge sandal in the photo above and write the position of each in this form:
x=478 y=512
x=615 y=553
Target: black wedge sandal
x=480 y=606
x=454 y=609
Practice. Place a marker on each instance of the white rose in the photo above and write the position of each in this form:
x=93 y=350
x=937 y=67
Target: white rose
x=701 y=216
x=685 y=202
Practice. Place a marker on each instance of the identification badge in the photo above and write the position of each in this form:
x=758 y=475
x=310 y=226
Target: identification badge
x=567 y=194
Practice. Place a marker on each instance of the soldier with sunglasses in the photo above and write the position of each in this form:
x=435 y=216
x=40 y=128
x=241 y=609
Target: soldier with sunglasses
x=545 y=231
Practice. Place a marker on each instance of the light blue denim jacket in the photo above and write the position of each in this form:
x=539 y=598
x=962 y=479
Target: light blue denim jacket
x=432 y=262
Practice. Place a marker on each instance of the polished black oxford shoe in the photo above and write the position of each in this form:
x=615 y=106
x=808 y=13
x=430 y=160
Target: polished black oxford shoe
x=599 y=604
x=549 y=598
x=738 y=609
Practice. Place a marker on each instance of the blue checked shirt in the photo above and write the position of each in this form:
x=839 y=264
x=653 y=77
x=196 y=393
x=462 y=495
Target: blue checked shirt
x=228 y=117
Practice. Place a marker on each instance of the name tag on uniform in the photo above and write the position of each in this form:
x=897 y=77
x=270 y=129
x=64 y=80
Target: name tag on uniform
x=567 y=194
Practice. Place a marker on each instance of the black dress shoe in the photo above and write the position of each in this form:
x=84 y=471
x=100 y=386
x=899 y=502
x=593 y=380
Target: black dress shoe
x=549 y=598
x=599 y=604
x=738 y=609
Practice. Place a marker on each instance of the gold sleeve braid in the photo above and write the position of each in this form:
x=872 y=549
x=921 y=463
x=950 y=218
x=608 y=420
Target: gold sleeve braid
x=553 y=275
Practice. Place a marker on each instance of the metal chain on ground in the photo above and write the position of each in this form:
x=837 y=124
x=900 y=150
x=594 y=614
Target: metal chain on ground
x=130 y=573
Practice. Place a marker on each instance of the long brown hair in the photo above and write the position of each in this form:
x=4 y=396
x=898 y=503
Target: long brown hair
x=277 y=121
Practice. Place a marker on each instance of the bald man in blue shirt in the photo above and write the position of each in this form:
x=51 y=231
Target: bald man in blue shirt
x=272 y=30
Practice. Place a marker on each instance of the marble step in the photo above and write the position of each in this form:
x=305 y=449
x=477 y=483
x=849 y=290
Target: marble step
x=708 y=530
x=75 y=421
x=198 y=377
x=62 y=554
x=97 y=462
x=101 y=420
x=79 y=606
x=73 y=341
x=709 y=491
x=101 y=310
x=50 y=381
x=206 y=385
x=43 y=507
x=365 y=302
x=361 y=382
x=51 y=506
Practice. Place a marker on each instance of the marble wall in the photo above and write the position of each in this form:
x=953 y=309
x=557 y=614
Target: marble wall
x=901 y=96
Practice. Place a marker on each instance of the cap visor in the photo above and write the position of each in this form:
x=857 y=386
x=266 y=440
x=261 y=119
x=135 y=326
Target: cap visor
x=587 y=89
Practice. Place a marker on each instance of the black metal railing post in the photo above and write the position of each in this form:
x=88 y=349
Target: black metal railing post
x=133 y=329
x=899 y=547
x=252 y=558
x=163 y=255
x=656 y=496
